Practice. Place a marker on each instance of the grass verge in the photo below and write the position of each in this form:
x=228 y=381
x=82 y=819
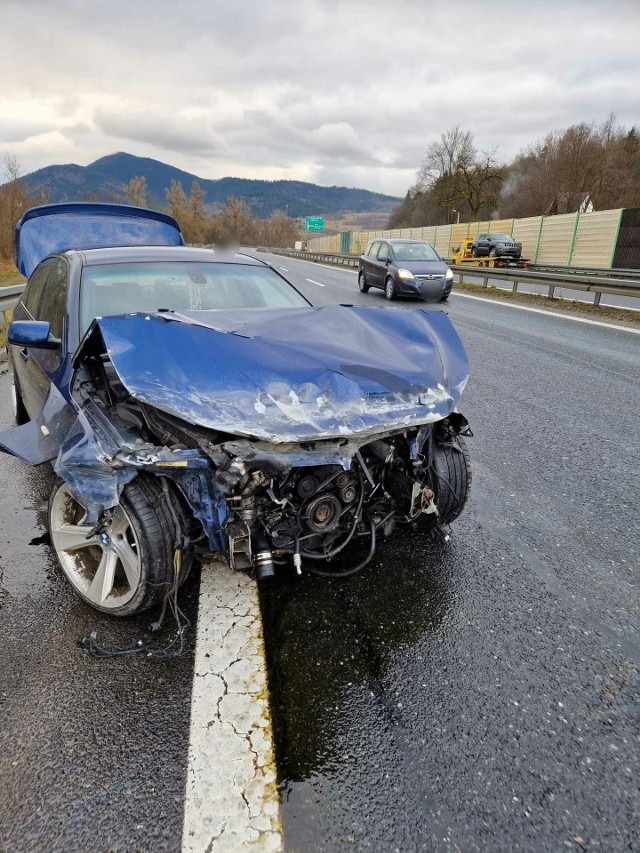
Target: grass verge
x=9 y=274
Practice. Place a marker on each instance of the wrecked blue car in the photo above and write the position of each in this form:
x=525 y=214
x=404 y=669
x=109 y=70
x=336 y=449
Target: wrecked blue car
x=194 y=402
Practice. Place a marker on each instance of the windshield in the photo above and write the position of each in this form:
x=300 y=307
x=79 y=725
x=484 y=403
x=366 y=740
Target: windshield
x=111 y=289
x=414 y=252
x=501 y=237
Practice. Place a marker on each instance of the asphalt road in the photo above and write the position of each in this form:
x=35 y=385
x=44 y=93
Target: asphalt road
x=482 y=695
x=476 y=695
x=93 y=753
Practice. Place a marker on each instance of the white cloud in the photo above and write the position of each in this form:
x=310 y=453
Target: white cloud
x=341 y=92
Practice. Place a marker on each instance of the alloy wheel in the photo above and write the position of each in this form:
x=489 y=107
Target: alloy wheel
x=103 y=565
x=389 y=289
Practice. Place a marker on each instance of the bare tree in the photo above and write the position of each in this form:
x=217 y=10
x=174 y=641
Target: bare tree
x=14 y=200
x=177 y=203
x=279 y=230
x=457 y=176
x=235 y=225
x=197 y=215
x=135 y=192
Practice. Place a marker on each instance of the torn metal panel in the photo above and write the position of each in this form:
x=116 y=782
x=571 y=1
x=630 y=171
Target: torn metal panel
x=39 y=440
x=289 y=375
x=88 y=463
x=97 y=460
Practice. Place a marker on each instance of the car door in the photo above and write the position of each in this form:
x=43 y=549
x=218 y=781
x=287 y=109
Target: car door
x=381 y=265
x=42 y=366
x=23 y=368
x=370 y=261
x=482 y=244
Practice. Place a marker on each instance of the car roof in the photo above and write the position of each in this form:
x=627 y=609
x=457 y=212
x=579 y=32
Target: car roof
x=403 y=240
x=148 y=254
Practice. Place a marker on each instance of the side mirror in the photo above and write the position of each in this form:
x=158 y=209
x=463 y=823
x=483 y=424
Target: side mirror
x=32 y=333
x=388 y=261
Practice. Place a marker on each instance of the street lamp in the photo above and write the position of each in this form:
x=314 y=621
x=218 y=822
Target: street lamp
x=458 y=212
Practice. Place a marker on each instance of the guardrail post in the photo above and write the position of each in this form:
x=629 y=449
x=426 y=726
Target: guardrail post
x=552 y=290
x=596 y=298
x=485 y=281
x=514 y=288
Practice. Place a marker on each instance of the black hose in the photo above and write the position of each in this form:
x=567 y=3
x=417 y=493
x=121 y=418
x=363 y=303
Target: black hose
x=326 y=573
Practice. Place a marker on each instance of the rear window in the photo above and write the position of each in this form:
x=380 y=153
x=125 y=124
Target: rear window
x=112 y=289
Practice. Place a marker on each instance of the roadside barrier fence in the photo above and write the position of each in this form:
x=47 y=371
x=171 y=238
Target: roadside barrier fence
x=614 y=282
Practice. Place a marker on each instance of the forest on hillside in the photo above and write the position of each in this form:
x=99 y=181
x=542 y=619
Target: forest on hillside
x=232 y=225
x=583 y=167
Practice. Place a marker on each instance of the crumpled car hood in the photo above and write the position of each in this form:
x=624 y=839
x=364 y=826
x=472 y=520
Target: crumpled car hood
x=289 y=375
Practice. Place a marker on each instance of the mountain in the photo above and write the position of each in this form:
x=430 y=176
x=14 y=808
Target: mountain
x=105 y=178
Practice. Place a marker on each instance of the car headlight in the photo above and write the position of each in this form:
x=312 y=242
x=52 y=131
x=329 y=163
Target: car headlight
x=406 y=275
x=449 y=275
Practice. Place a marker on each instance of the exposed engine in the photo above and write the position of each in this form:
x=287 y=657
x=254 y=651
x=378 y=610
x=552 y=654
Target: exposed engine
x=313 y=513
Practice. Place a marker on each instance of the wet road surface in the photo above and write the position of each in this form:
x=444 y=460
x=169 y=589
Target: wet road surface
x=93 y=753
x=476 y=694
x=482 y=694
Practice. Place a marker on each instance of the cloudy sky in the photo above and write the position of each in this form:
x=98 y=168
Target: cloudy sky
x=347 y=92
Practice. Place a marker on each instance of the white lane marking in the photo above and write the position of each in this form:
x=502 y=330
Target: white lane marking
x=315 y=282
x=284 y=269
x=548 y=313
x=231 y=798
x=327 y=266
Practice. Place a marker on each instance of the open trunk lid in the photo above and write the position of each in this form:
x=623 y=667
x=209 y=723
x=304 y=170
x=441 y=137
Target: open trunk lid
x=89 y=225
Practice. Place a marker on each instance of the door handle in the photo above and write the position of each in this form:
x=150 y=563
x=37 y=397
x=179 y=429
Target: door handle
x=24 y=354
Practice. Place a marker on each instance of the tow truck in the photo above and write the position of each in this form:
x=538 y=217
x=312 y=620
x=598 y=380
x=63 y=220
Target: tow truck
x=462 y=256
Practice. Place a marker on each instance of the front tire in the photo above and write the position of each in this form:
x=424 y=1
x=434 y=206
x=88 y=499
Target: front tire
x=390 y=289
x=452 y=481
x=128 y=566
x=363 y=287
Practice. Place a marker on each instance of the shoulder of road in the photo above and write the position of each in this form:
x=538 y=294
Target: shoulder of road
x=606 y=316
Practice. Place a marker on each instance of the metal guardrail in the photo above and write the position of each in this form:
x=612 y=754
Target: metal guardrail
x=598 y=271
x=320 y=257
x=9 y=297
x=596 y=284
x=600 y=281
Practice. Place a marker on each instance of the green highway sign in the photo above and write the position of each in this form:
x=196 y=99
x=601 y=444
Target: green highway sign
x=314 y=223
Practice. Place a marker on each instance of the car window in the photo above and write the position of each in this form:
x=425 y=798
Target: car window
x=112 y=289
x=373 y=249
x=35 y=287
x=383 y=252
x=415 y=252
x=501 y=237
x=54 y=298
